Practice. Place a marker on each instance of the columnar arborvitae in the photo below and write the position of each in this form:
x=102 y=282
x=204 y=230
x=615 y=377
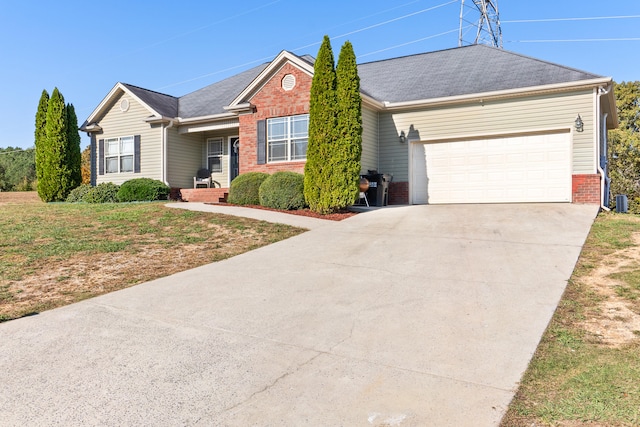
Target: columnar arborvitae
x=40 y=132
x=348 y=148
x=54 y=183
x=322 y=125
x=74 y=154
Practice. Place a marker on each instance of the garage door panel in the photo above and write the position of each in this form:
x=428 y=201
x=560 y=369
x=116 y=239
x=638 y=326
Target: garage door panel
x=534 y=168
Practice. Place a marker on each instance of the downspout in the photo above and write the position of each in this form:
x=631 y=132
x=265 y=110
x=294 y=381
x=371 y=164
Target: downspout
x=599 y=137
x=165 y=139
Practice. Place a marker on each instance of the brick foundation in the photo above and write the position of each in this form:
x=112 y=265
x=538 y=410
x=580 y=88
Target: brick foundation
x=586 y=189
x=204 y=195
x=398 y=193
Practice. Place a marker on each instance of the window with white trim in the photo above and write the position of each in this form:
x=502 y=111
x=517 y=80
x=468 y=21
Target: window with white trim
x=118 y=154
x=215 y=150
x=287 y=138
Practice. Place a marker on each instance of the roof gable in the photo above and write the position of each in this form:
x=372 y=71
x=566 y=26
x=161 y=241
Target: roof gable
x=158 y=104
x=269 y=71
x=460 y=71
x=163 y=105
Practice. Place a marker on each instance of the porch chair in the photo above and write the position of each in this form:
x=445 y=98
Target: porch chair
x=203 y=177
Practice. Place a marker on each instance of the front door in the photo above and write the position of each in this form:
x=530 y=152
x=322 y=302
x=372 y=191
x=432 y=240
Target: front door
x=234 y=142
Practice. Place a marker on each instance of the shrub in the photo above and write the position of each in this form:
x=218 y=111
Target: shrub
x=107 y=192
x=77 y=194
x=144 y=190
x=245 y=188
x=283 y=190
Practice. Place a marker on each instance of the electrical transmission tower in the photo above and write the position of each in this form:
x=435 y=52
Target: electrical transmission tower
x=482 y=18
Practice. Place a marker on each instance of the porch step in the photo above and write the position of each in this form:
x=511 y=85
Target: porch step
x=204 y=195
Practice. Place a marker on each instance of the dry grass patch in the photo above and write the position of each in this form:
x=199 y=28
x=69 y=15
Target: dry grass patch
x=586 y=370
x=56 y=254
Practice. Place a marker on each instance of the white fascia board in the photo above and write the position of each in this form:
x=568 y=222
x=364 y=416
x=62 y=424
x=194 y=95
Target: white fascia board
x=509 y=93
x=371 y=102
x=279 y=61
x=112 y=93
x=204 y=119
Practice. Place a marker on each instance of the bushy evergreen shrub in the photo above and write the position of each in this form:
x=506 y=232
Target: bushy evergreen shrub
x=77 y=194
x=283 y=190
x=143 y=189
x=107 y=192
x=245 y=188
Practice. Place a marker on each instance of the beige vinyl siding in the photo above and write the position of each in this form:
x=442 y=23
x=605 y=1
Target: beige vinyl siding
x=117 y=123
x=184 y=154
x=369 y=158
x=492 y=118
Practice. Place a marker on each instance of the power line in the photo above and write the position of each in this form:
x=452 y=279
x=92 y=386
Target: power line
x=576 y=40
x=594 y=18
x=312 y=44
x=411 y=42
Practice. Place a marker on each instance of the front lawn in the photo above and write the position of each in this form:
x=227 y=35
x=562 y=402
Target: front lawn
x=57 y=254
x=586 y=370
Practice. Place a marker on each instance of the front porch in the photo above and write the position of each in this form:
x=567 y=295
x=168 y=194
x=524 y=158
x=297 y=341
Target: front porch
x=204 y=195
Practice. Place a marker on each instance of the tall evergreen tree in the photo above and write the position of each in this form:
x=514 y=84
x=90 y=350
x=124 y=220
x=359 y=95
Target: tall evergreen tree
x=55 y=182
x=74 y=154
x=40 y=132
x=348 y=148
x=322 y=125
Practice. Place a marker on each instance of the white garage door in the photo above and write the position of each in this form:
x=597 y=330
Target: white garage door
x=532 y=168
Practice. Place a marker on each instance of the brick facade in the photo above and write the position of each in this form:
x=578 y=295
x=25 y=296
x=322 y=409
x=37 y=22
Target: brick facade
x=586 y=189
x=398 y=193
x=273 y=101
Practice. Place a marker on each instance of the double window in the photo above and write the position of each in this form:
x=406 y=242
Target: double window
x=287 y=138
x=215 y=150
x=119 y=154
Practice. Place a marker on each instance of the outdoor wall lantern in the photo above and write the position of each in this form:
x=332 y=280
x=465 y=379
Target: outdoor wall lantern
x=579 y=124
x=403 y=138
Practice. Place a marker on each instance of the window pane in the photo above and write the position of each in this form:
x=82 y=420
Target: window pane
x=111 y=147
x=215 y=164
x=215 y=148
x=299 y=126
x=126 y=164
x=299 y=149
x=277 y=151
x=277 y=128
x=126 y=144
x=111 y=164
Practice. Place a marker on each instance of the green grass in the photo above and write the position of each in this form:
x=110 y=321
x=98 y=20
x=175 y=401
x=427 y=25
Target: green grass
x=573 y=377
x=56 y=238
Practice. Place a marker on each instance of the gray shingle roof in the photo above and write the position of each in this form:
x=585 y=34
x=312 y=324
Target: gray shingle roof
x=452 y=72
x=166 y=105
x=211 y=99
x=459 y=71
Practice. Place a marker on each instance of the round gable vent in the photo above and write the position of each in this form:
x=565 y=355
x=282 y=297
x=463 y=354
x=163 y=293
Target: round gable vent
x=124 y=105
x=288 y=82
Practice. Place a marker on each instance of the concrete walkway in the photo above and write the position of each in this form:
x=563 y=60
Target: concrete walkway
x=408 y=316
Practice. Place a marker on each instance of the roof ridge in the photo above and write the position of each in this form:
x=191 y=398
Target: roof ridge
x=416 y=54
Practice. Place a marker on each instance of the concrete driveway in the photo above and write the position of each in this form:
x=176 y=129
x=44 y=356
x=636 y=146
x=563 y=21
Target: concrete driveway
x=407 y=316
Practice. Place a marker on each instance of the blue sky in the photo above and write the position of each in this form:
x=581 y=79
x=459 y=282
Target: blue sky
x=85 y=48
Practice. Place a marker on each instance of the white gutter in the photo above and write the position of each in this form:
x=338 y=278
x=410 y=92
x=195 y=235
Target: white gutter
x=165 y=138
x=599 y=137
x=586 y=84
x=207 y=118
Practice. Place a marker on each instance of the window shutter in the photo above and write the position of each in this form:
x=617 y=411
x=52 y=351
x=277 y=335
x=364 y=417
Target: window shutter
x=136 y=154
x=262 y=142
x=101 y=157
x=94 y=154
